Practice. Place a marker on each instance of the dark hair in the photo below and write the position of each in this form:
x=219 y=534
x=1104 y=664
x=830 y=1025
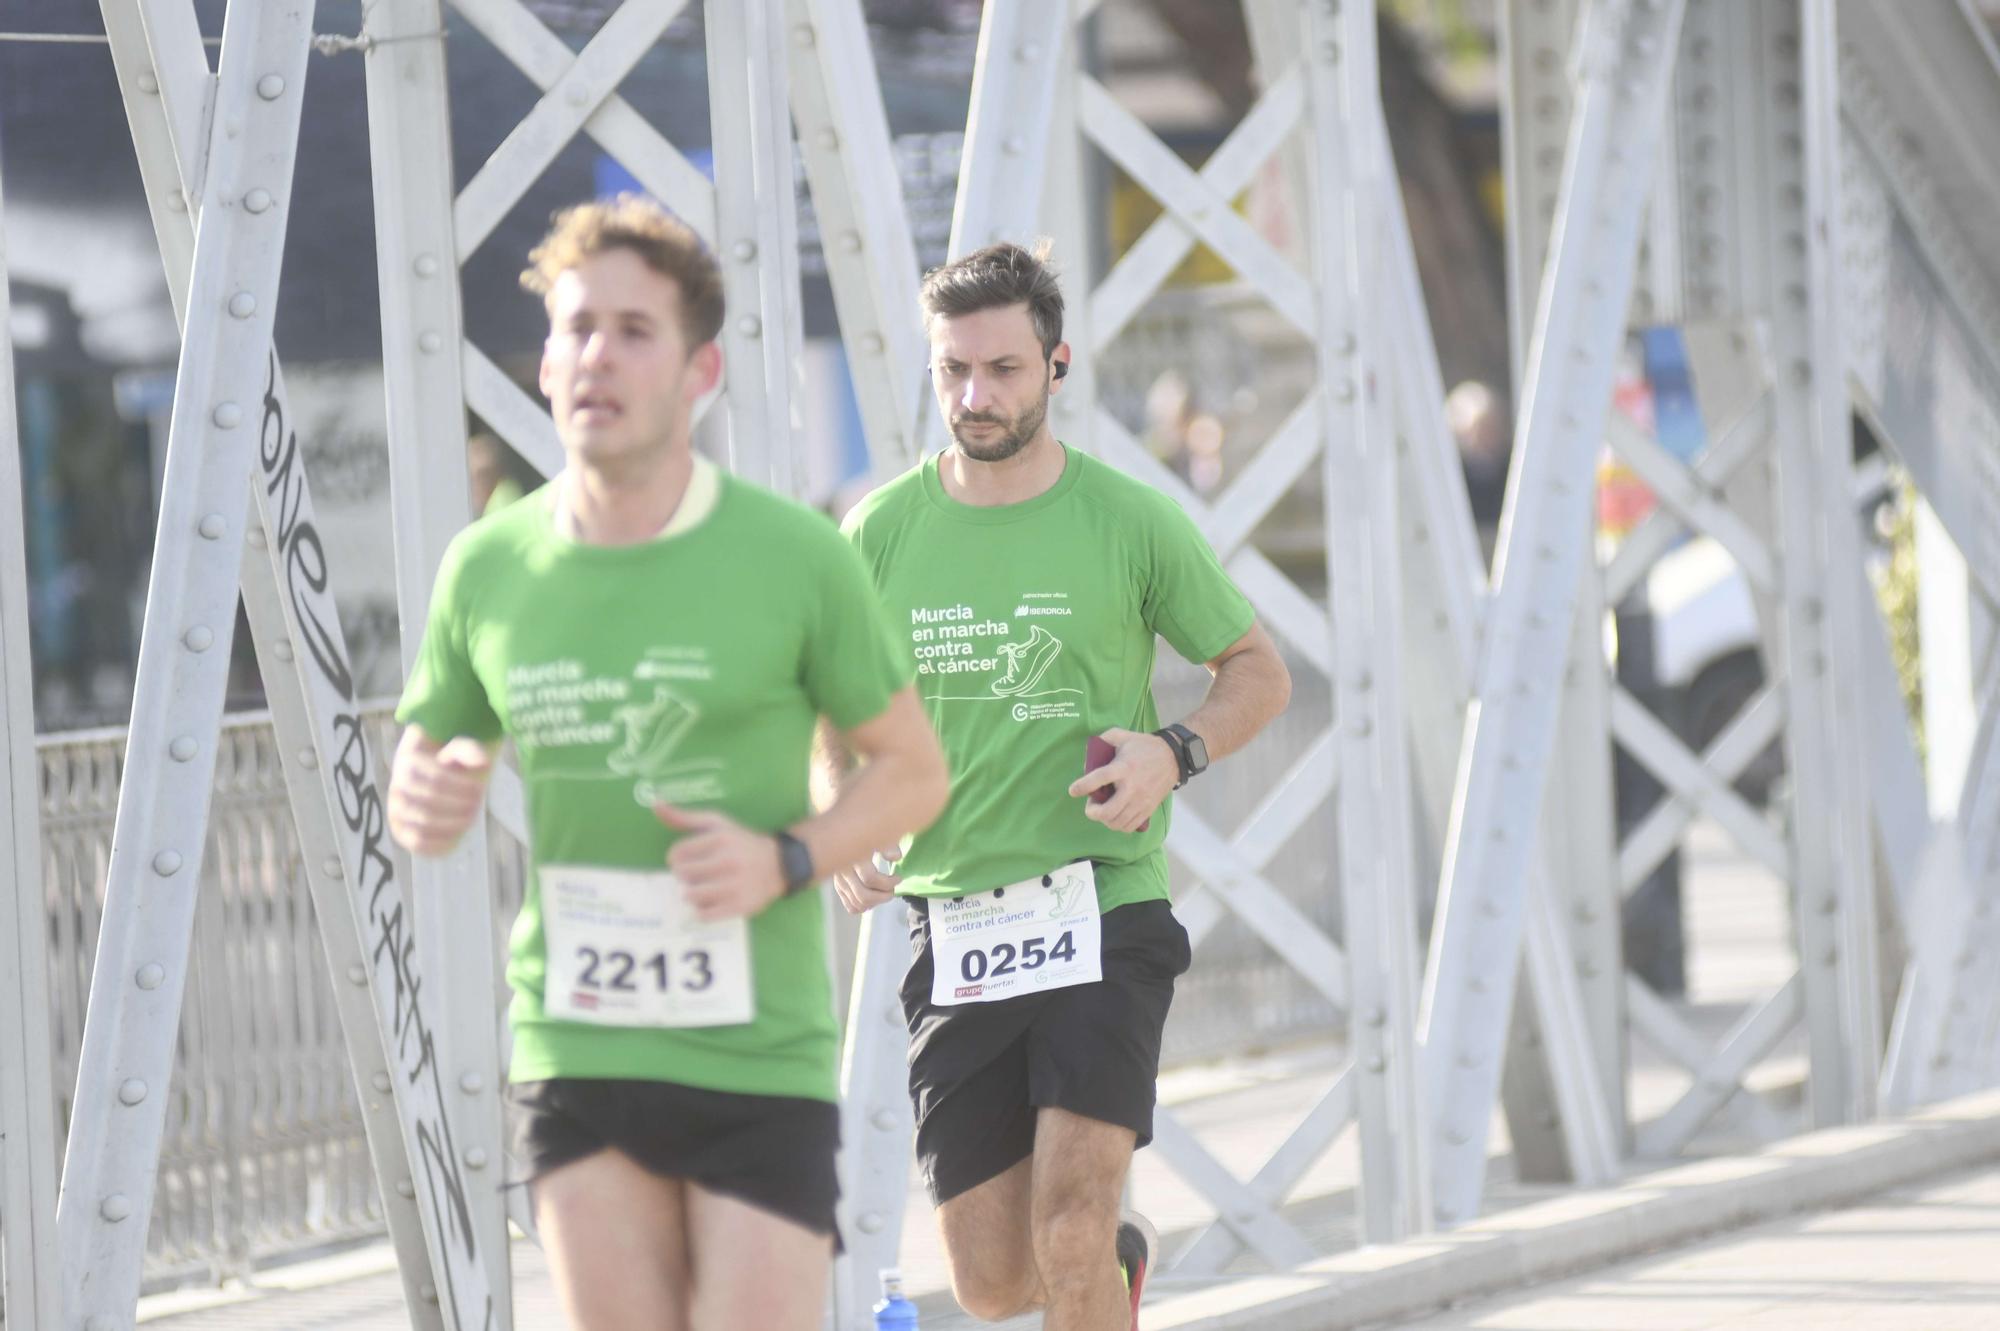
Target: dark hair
x=630 y=221
x=994 y=278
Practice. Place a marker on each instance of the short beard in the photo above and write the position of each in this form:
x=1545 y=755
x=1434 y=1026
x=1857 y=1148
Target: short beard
x=1012 y=438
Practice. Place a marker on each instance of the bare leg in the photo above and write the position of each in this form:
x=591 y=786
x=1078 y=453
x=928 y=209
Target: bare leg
x=616 y=1239
x=1079 y=1172
x=753 y=1268
x=988 y=1238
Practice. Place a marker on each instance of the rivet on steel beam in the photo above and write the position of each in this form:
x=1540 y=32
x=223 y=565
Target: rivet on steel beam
x=176 y=202
x=1330 y=53
x=242 y=305
x=282 y=650
x=183 y=748
x=850 y=242
x=256 y=538
x=870 y=1222
x=475 y=1158
x=100 y=1324
x=212 y=527
x=750 y=325
x=150 y=976
x=1343 y=391
x=883 y=1120
x=330 y=866
x=1489 y=907
x=829 y=139
x=472 y=1083
x=116 y=1207
x=1586 y=913
x=1345 y=344
x=406 y=1190
x=148 y=84
x=429 y=1292
x=1378 y=1016
x=380 y=1081
x=1829 y=904
x=804 y=35
x=1456 y=1136
x=227 y=415
x=1376 y=1063
x=131 y=1091
x=430 y=343
x=1362 y=726
x=1831 y=956
x=308 y=759
x=270 y=87
x=1028 y=52
x=872 y=343
x=1014 y=145
x=258 y=200
x=1587 y=968
x=357 y=974
x=426 y=265
x=1476 y=985
x=198 y=638
x=167 y=863
x=579 y=96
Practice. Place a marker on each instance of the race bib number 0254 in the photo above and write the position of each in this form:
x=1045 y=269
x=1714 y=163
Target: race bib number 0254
x=1042 y=933
x=625 y=949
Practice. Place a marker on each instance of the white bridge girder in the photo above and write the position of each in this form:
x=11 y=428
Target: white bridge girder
x=1474 y=718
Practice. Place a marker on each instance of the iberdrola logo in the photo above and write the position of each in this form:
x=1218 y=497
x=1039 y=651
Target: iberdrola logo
x=653 y=730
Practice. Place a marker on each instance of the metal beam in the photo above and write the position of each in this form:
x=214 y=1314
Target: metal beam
x=29 y=1262
x=141 y=967
x=1626 y=54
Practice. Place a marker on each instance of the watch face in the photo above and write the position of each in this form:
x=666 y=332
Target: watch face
x=1197 y=750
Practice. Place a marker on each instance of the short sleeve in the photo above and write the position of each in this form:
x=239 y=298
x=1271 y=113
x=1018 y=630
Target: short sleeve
x=853 y=666
x=444 y=694
x=1189 y=600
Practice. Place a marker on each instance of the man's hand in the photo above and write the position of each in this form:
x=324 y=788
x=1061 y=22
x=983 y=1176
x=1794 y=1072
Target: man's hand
x=727 y=869
x=864 y=886
x=1143 y=769
x=435 y=790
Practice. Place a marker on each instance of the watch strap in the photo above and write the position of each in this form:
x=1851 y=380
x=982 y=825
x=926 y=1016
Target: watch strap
x=795 y=862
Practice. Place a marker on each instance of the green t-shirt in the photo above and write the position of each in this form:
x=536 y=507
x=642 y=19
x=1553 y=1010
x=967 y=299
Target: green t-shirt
x=1032 y=627
x=691 y=669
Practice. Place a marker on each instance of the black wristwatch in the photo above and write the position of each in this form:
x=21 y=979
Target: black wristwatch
x=795 y=861
x=1189 y=751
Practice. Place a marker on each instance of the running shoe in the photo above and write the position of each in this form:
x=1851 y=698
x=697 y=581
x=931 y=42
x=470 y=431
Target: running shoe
x=1138 y=1248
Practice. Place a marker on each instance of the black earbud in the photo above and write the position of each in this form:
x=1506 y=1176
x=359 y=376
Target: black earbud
x=1062 y=368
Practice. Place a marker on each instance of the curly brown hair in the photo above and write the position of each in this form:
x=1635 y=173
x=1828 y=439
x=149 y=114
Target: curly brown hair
x=630 y=221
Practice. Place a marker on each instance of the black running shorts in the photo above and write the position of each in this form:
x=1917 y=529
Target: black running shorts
x=774 y=1152
x=979 y=1071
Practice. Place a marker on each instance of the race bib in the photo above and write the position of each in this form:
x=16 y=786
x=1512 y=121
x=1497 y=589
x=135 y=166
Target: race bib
x=1039 y=934
x=625 y=949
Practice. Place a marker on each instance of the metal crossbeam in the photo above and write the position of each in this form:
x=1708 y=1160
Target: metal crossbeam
x=1626 y=53
x=416 y=261
x=1821 y=643
x=1361 y=482
x=29 y=1266
x=190 y=620
x=308 y=679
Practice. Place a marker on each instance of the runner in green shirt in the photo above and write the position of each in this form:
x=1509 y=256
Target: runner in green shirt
x=1028 y=583
x=659 y=641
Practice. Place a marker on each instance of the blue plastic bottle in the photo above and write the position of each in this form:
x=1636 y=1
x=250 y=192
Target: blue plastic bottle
x=894 y=1312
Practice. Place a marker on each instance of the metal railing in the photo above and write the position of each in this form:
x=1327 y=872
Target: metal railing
x=264 y=1151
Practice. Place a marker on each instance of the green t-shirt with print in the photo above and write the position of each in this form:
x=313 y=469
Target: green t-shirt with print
x=1032 y=627
x=690 y=669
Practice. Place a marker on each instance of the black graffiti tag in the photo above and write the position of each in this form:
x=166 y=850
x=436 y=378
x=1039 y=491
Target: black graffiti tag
x=304 y=555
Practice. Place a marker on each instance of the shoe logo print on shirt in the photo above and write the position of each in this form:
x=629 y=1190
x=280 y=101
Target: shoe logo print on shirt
x=1027 y=662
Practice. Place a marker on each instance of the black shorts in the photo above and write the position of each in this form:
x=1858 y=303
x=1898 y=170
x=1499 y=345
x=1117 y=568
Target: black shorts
x=774 y=1152
x=979 y=1071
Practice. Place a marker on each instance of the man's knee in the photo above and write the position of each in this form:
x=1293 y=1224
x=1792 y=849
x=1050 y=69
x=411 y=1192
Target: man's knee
x=992 y=1294
x=1076 y=1240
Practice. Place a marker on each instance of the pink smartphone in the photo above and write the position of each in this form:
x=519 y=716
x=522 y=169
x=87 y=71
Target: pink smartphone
x=1098 y=751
